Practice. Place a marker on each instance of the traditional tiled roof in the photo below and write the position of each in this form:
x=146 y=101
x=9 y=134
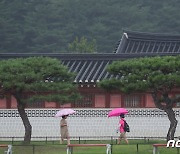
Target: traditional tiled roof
x=88 y=71
x=91 y=68
x=136 y=42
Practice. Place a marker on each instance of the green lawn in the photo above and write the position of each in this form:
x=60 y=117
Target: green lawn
x=56 y=148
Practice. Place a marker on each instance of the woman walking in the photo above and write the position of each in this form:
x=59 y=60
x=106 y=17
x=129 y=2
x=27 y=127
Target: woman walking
x=64 y=130
x=122 y=131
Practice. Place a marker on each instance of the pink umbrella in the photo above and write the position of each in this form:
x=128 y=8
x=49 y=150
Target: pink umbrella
x=63 y=112
x=117 y=112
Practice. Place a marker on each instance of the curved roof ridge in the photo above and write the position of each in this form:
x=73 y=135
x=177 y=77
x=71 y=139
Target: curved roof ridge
x=137 y=34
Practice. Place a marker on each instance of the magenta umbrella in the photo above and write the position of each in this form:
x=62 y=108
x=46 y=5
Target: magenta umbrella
x=117 y=112
x=64 y=112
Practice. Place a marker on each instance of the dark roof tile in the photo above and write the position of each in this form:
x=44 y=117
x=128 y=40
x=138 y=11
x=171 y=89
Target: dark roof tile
x=136 y=42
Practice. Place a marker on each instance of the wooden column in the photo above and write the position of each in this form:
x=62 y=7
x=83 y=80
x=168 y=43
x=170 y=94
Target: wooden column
x=93 y=100
x=8 y=101
x=143 y=98
x=122 y=100
x=107 y=105
x=57 y=105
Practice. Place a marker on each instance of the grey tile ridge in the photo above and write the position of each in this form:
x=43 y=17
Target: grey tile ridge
x=97 y=71
x=70 y=69
x=137 y=49
x=168 y=50
x=174 y=47
x=103 y=71
x=79 y=73
x=84 y=73
x=75 y=70
x=92 y=71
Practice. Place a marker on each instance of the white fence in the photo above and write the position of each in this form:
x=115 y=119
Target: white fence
x=90 y=123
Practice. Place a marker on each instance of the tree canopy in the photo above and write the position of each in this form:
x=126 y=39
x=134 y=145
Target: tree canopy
x=82 y=46
x=33 y=79
x=157 y=75
x=50 y=25
x=143 y=74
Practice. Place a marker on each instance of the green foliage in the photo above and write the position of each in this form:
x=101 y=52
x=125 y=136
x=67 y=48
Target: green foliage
x=156 y=75
x=142 y=74
x=82 y=46
x=49 y=25
x=37 y=78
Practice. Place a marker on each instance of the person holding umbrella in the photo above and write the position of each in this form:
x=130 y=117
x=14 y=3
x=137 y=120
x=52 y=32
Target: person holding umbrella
x=63 y=124
x=120 y=112
x=122 y=131
x=64 y=130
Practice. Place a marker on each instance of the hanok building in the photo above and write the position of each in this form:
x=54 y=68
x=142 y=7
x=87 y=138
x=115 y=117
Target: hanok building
x=91 y=68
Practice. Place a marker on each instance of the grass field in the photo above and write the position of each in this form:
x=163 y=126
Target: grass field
x=135 y=147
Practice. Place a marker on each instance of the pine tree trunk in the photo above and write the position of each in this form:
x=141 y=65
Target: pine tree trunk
x=173 y=124
x=27 y=125
x=170 y=113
